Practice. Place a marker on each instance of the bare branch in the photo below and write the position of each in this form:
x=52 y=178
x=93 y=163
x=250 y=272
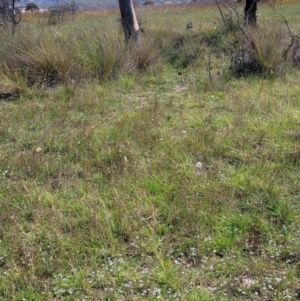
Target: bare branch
x=284 y=56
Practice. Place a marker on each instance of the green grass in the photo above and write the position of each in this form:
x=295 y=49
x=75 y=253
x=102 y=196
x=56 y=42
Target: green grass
x=101 y=196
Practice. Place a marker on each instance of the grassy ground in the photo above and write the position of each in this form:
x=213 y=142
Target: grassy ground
x=146 y=179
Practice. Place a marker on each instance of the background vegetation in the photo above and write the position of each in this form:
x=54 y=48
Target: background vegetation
x=153 y=172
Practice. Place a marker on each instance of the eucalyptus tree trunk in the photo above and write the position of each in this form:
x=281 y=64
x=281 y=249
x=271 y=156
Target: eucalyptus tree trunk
x=129 y=21
x=250 y=12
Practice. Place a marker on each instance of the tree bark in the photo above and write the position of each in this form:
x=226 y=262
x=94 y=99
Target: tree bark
x=129 y=21
x=250 y=12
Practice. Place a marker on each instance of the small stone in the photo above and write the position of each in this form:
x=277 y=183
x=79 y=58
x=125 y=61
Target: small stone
x=199 y=165
x=38 y=149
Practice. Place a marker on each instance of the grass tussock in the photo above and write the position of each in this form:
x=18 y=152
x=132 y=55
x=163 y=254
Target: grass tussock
x=36 y=59
x=9 y=89
x=47 y=58
x=269 y=46
x=143 y=57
